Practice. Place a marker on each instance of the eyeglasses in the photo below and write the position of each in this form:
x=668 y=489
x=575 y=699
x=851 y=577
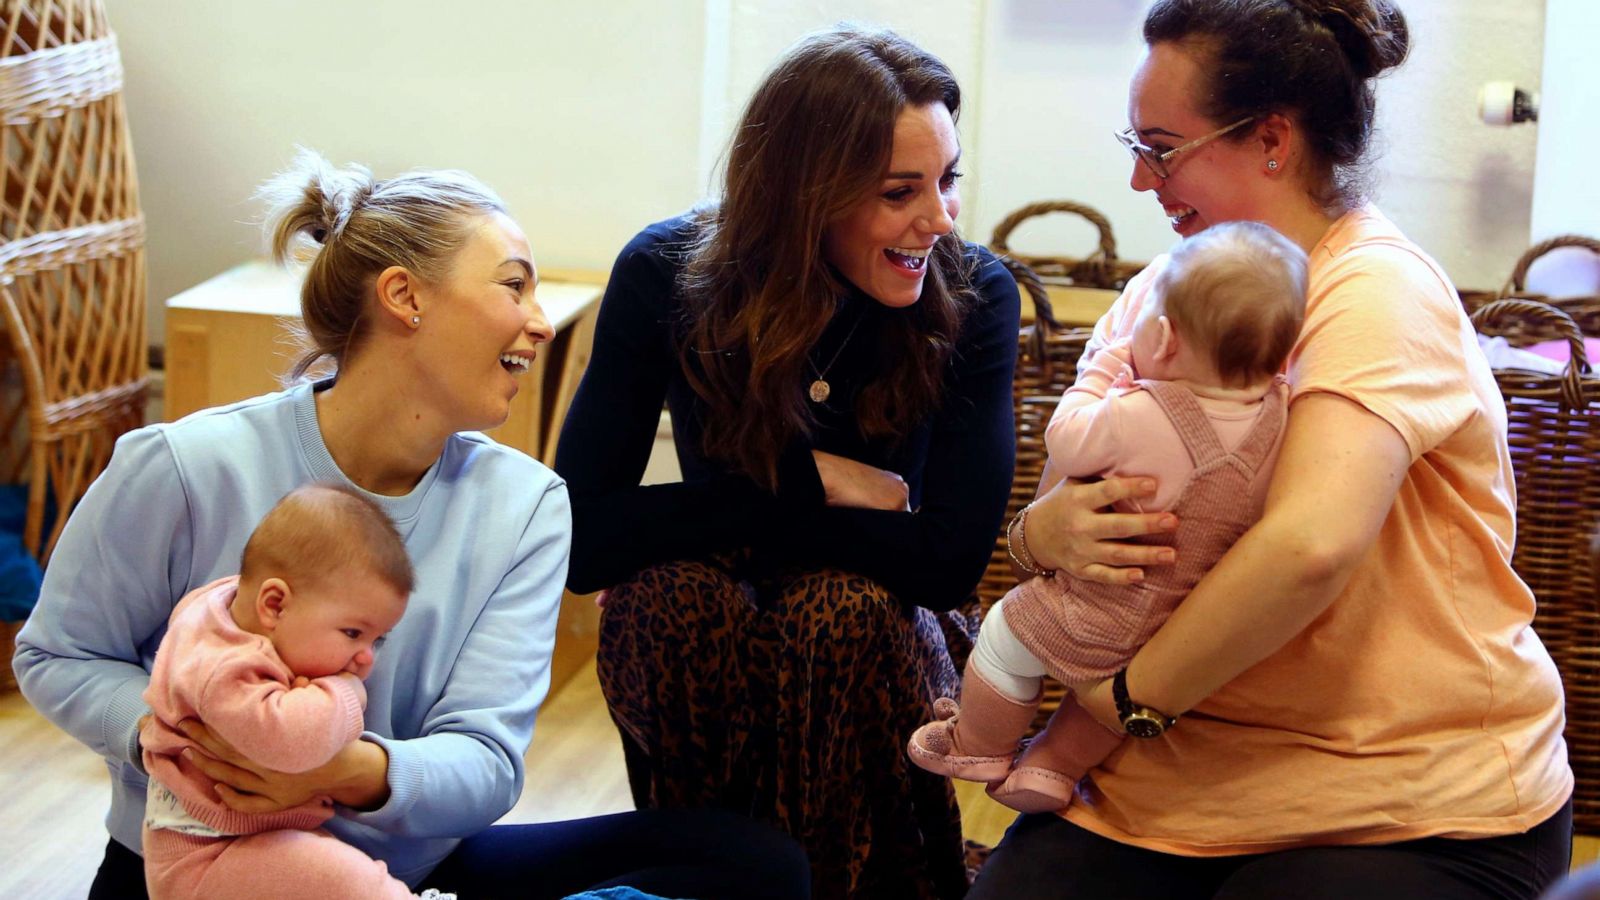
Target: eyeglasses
x=1157 y=161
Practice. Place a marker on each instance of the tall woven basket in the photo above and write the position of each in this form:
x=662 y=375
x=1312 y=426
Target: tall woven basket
x=72 y=276
x=1554 y=436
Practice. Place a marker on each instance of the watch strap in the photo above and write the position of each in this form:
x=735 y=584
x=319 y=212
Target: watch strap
x=1127 y=709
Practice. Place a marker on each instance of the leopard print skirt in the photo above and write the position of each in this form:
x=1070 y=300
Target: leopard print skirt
x=790 y=700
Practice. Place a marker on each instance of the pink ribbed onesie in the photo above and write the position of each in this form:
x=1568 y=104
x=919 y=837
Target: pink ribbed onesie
x=210 y=669
x=1081 y=630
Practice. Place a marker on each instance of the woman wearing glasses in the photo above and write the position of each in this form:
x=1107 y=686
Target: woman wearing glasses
x=1352 y=703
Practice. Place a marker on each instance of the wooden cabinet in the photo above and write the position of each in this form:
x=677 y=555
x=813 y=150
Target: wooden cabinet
x=231 y=338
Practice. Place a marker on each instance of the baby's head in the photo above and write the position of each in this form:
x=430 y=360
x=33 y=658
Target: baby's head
x=1226 y=310
x=324 y=577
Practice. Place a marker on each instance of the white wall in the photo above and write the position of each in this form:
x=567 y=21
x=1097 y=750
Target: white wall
x=760 y=30
x=1566 y=197
x=1055 y=88
x=593 y=119
x=585 y=117
x=1566 y=193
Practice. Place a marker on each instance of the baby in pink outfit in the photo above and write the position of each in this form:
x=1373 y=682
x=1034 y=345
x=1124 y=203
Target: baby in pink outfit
x=272 y=662
x=1207 y=422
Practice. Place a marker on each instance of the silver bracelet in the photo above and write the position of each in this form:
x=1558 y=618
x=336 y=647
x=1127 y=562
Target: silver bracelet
x=1018 y=549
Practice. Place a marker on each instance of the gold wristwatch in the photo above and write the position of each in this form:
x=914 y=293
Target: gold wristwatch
x=1139 y=721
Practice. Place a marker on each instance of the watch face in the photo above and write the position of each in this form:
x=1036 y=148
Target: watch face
x=1143 y=725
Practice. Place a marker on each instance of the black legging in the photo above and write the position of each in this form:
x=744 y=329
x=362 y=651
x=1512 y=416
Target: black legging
x=1045 y=856
x=697 y=854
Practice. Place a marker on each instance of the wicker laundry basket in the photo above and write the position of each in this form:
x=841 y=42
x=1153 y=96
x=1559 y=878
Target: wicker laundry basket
x=1100 y=269
x=1583 y=310
x=72 y=274
x=1554 y=436
x=1079 y=287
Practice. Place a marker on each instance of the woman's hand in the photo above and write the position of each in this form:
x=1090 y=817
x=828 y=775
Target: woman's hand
x=849 y=483
x=357 y=776
x=1070 y=529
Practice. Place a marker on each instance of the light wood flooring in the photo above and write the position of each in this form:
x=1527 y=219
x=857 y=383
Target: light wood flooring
x=51 y=836
x=56 y=790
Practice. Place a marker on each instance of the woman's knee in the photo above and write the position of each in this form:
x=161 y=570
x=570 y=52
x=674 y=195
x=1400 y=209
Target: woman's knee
x=833 y=604
x=682 y=588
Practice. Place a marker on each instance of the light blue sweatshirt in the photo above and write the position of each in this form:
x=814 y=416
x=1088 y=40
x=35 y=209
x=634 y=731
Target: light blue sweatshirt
x=454 y=690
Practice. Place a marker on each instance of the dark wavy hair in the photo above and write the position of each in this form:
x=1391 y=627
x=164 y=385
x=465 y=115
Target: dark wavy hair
x=1313 y=60
x=815 y=140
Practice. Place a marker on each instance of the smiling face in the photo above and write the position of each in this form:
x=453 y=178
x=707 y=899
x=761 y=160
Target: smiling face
x=334 y=624
x=1218 y=181
x=480 y=327
x=882 y=244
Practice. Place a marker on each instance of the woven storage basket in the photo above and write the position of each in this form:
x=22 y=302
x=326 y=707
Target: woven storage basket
x=1584 y=310
x=1080 y=287
x=1554 y=435
x=72 y=295
x=1047 y=359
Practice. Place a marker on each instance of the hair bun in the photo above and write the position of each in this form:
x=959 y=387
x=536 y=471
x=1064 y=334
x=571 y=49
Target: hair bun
x=1372 y=33
x=313 y=198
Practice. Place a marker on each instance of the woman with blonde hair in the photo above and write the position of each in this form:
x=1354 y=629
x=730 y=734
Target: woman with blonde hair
x=838 y=364
x=420 y=294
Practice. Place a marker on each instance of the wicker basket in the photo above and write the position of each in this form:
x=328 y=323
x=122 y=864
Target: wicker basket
x=1554 y=436
x=72 y=294
x=1583 y=310
x=1080 y=288
x=1047 y=359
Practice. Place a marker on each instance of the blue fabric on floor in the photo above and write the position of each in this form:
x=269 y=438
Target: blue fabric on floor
x=19 y=574
x=614 y=893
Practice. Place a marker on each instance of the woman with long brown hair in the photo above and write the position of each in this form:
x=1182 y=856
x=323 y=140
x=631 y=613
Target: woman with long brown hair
x=838 y=367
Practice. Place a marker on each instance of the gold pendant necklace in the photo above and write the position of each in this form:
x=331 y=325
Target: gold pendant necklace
x=820 y=390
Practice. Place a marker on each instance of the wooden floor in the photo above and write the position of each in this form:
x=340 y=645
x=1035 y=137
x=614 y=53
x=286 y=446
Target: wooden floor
x=52 y=836
x=57 y=792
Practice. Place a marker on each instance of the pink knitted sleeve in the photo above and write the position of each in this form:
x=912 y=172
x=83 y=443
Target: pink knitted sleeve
x=282 y=728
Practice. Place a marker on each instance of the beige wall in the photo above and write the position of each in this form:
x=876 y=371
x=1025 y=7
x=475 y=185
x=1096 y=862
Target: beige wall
x=595 y=118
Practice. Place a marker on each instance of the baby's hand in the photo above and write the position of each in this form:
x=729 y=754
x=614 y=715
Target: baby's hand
x=1125 y=378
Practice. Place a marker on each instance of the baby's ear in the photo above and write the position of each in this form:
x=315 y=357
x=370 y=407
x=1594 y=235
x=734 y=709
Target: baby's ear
x=1167 y=347
x=272 y=598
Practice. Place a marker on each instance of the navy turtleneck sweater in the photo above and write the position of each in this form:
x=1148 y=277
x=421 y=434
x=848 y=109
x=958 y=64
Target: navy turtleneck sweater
x=957 y=464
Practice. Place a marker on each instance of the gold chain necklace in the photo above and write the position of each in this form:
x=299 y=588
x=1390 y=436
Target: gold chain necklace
x=820 y=390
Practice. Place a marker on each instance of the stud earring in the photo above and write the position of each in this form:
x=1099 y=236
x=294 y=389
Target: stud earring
x=1272 y=165
x=415 y=321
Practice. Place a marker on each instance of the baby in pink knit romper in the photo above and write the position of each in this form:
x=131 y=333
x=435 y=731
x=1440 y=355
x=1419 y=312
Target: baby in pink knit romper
x=1212 y=337
x=272 y=661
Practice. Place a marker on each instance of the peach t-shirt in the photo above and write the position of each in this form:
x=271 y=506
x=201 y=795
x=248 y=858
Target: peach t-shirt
x=1420 y=703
